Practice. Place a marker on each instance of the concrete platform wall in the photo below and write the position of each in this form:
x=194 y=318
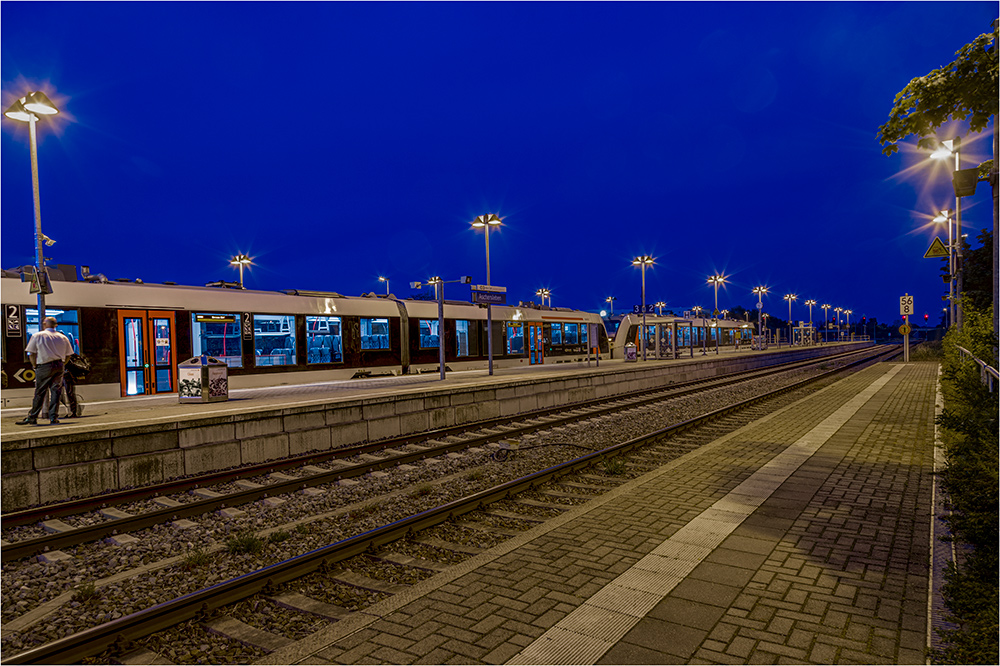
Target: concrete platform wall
x=55 y=468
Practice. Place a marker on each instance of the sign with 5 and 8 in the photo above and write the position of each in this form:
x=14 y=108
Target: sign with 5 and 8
x=906 y=305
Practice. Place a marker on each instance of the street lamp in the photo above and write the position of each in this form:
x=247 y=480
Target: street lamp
x=942 y=217
x=849 y=335
x=439 y=293
x=660 y=305
x=240 y=261
x=27 y=109
x=485 y=222
x=611 y=300
x=946 y=150
x=386 y=280
x=760 y=291
x=826 y=321
x=642 y=262
x=838 y=311
x=545 y=293
x=790 y=298
x=811 y=303
x=715 y=281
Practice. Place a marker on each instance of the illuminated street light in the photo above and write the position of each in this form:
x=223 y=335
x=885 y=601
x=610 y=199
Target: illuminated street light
x=810 y=303
x=838 y=311
x=660 y=305
x=386 y=280
x=850 y=336
x=944 y=151
x=643 y=261
x=789 y=298
x=715 y=281
x=611 y=301
x=27 y=109
x=942 y=217
x=826 y=321
x=485 y=222
x=760 y=291
x=545 y=293
x=240 y=261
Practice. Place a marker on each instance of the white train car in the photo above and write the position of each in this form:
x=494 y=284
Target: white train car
x=669 y=336
x=136 y=334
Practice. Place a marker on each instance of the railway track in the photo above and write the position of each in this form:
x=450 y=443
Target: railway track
x=271 y=481
x=529 y=494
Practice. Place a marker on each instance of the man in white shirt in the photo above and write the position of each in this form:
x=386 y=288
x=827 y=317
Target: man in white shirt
x=47 y=350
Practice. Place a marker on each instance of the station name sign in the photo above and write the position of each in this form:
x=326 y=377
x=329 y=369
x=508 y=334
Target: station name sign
x=489 y=294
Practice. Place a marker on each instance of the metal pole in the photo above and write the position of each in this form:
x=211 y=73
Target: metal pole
x=386 y=287
x=642 y=269
x=440 y=286
x=790 y=336
x=715 y=316
x=39 y=257
x=958 y=237
x=489 y=307
x=951 y=271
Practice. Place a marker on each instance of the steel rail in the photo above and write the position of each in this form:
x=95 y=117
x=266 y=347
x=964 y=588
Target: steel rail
x=76 y=647
x=29 y=547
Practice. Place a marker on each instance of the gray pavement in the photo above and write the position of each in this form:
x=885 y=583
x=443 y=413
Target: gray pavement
x=802 y=537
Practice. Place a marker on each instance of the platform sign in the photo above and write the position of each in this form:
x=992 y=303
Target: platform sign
x=937 y=250
x=247 y=325
x=488 y=294
x=637 y=309
x=906 y=305
x=13 y=321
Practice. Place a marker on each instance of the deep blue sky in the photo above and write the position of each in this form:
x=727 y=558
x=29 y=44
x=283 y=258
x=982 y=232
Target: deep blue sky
x=336 y=142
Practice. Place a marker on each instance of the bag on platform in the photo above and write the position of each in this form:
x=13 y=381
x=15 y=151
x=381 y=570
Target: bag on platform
x=77 y=365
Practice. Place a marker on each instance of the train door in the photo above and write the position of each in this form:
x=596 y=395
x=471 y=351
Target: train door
x=146 y=352
x=536 y=344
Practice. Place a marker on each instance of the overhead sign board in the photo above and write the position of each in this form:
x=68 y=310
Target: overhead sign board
x=488 y=294
x=489 y=287
x=637 y=309
x=937 y=250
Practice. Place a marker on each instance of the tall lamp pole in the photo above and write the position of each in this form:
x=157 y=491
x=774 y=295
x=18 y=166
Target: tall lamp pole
x=790 y=298
x=947 y=149
x=485 y=222
x=850 y=335
x=545 y=293
x=386 y=280
x=838 y=311
x=811 y=303
x=240 y=261
x=945 y=216
x=27 y=109
x=611 y=300
x=642 y=262
x=715 y=281
x=826 y=322
x=760 y=291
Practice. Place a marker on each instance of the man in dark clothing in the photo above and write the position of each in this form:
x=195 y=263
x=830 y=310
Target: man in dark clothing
x=47 y=350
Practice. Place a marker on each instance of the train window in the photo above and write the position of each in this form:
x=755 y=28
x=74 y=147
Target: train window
x=274 y=339
x=67 y=322
x=374 y=333
x=462 y=336
x=571 y=334
x=557 y=334
x=323 y=340
x=429 y=334
x=515 y=338
x=217 y=335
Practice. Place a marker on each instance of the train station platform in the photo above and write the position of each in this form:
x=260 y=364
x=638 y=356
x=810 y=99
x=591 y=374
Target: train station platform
x=802 y=537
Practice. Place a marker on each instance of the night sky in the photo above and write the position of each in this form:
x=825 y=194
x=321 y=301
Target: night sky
x=336 y=142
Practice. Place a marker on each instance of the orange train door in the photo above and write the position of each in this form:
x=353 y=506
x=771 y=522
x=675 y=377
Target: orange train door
x=536 y=352
x=147 y=357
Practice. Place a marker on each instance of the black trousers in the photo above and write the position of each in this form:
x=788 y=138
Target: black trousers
x=48 y=379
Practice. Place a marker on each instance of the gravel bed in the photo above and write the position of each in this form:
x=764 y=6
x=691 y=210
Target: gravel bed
x=188 y=643
x=324 y=588
x=384 y=571
x=269 y=616
x=408 y=547
x=344 y=511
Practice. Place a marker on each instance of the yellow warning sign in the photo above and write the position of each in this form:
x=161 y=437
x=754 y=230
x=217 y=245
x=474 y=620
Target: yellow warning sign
x=936 y=250
x=905 y=329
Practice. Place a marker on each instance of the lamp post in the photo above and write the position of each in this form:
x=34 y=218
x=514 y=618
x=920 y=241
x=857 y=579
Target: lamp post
x=698 y=310
x=241 y=260
x=838 y=311
x=715 y=281
x=611 y=300
x=485 y=222
x=27 y=109
x=811 y=303
x=942 y=217
x=765 y=320
x=660 y=305
x=760 y=291
x=826 y=322
x=545 y=293
x=947 y=149
x=643 y=261
x=847 y=313
x=439 y=293
x=790 y=298
x=386 y=280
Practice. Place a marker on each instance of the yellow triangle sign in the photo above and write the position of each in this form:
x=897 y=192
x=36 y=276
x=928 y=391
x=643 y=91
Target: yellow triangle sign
x=936 y=250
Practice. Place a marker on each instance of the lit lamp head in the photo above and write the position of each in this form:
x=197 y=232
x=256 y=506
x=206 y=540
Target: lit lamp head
x=36 y=103
x=943 y=216
x=488 y=220
x=644 y=260
x=241 y=260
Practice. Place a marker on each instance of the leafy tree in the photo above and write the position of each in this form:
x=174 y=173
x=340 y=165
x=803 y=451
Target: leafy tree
x=965 y=88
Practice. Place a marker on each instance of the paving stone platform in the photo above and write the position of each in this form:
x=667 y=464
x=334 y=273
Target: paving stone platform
x=803 y=537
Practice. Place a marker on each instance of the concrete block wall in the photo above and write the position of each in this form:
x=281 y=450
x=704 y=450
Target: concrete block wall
x=59 y=467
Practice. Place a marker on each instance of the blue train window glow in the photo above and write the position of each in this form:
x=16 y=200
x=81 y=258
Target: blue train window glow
x=217 y=335
x=274 y=339
x=324 y=341
x=429 y=337
x=374 y=333
x=462 y=335
x=67 y=323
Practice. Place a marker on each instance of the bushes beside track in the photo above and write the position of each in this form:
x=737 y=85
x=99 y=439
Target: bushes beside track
x=970 y=479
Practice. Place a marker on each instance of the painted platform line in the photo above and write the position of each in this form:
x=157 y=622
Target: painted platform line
x=583 y=636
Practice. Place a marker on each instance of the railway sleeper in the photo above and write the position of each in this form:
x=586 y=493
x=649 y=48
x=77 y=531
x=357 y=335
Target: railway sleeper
x=499 y=513
x=143 y=656
x=300 y=603
x=405 y=560
x=527 y=501
x=484 y=527
x=441 y=544
x=365 y=583
x=238 y=630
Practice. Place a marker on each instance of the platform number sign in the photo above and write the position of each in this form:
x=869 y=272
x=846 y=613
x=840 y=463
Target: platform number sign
x=638 y=309
x=906 y=305
x=247 y=325
x=13 y=321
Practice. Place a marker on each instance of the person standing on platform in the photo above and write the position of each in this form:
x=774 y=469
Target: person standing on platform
x=47 y=350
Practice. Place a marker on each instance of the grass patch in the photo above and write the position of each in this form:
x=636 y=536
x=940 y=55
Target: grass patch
x=279 y=536
x=423 y=490
x=614 y=466
x=475 y=475
x=85 y=592
x=244 y=541
x=196 y=559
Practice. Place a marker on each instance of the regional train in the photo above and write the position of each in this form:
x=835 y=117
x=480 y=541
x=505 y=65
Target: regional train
x=135 y=334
